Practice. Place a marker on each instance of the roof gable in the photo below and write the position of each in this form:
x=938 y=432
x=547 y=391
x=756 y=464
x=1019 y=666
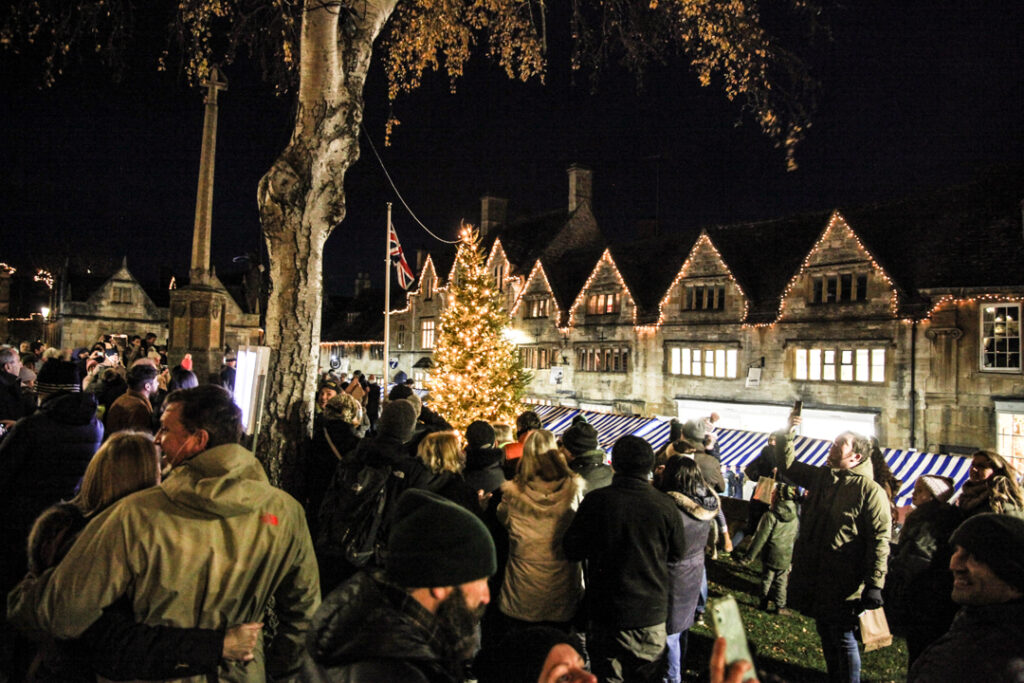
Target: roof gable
x=603 y=272
x=837 y=248
x=703 y=261
x=537 y=282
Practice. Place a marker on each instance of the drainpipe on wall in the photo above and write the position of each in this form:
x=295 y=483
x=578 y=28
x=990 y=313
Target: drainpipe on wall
x=913 y=383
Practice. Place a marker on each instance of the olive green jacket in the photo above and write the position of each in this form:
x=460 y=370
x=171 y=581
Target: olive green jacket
x=843 y=543
x=207 y=548
x=775 y=536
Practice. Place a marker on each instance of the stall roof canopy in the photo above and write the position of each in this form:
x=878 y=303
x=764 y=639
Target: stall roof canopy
x=739 y=447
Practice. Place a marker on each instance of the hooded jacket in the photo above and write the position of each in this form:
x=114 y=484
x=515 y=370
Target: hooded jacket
x=207 y=548
x=843 y=543
x=776 y=533
x=697 y=513
x=592 y=467
x=540 y=583
x=367 y=631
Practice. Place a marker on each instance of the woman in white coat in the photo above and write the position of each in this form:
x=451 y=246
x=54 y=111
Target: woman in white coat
x=540 y=586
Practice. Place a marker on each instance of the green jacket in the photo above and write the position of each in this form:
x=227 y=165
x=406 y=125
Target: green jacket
x=207 y=548
x=775 y=535
x=843 y=543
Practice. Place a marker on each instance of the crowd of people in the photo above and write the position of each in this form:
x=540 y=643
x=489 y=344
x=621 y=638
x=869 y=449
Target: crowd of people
x=142 y=541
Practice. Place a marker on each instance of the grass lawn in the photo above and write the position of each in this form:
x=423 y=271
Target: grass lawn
x=786 y=646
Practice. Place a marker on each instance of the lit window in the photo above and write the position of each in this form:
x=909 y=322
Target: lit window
x=1000 y=338
x=846 y=365
x=602 y=359
x=536 y=357
x=839 y=365
x=537 y=308
x=718 y=363
x=427 y=334
x=603 y=304
x=863 y=365
x=877 y=365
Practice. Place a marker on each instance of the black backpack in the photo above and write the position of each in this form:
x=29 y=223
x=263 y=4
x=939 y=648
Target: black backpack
x=355 y=515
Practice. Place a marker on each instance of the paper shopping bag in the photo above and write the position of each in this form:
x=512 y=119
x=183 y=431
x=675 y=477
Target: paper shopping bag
x=874 y=630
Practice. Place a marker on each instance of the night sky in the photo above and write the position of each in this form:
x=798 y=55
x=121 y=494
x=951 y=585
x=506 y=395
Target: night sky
x=913 y=95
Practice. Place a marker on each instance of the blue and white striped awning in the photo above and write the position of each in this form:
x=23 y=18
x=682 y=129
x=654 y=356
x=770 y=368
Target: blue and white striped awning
x=739 y=447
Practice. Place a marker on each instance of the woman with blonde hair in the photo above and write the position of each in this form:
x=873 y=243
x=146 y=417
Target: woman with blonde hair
x=991 y=486
x=115 y=646
x=537 y=506
x=443 y=458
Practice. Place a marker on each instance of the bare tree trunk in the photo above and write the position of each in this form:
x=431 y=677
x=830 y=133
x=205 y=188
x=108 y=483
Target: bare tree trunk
x=301 y=199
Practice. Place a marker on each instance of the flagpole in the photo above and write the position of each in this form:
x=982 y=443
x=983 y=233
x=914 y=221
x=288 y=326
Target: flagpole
x=387 y=297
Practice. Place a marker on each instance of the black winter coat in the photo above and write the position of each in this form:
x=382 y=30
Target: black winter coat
x=323 y=461
x=367 y=631
x=627 y=533
x=483 y=468
x=42 y=460
x=13 y=404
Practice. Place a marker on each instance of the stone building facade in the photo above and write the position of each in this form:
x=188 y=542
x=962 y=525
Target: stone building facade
x=901 y=320
x=86 y=306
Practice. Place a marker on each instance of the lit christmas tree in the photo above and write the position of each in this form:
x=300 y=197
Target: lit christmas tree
x=478 y=374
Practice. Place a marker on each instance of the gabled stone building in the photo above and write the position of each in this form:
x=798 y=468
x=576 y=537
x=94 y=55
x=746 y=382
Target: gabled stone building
x=900 y=320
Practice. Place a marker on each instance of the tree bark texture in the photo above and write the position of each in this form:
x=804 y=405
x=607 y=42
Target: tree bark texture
x=301 y=199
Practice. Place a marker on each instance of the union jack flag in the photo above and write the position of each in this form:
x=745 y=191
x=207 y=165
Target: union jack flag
x=402 y=270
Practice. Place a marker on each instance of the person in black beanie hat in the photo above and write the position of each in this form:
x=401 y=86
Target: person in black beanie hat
x=539 y=654
x=417 y=620
x=997 y=543
x=585 y=458
x=628 y=533
x=483 y=462
x=632 y=456
x=397 y=420
x=984 y=641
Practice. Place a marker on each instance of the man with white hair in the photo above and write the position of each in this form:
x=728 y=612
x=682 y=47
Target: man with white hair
x=13 y=404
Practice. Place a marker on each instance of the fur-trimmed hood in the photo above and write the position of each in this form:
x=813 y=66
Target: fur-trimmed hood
x=703 y=506
x=542 y=497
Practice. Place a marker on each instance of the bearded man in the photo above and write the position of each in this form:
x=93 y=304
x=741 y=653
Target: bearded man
x=417 y=620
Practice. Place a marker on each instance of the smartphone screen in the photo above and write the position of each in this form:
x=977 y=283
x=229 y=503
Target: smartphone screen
x=798 y=406
x=725 y=617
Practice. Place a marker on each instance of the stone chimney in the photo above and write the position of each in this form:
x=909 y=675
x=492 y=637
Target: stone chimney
x=580 y=179
x=493 y=212
x=421 y=258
